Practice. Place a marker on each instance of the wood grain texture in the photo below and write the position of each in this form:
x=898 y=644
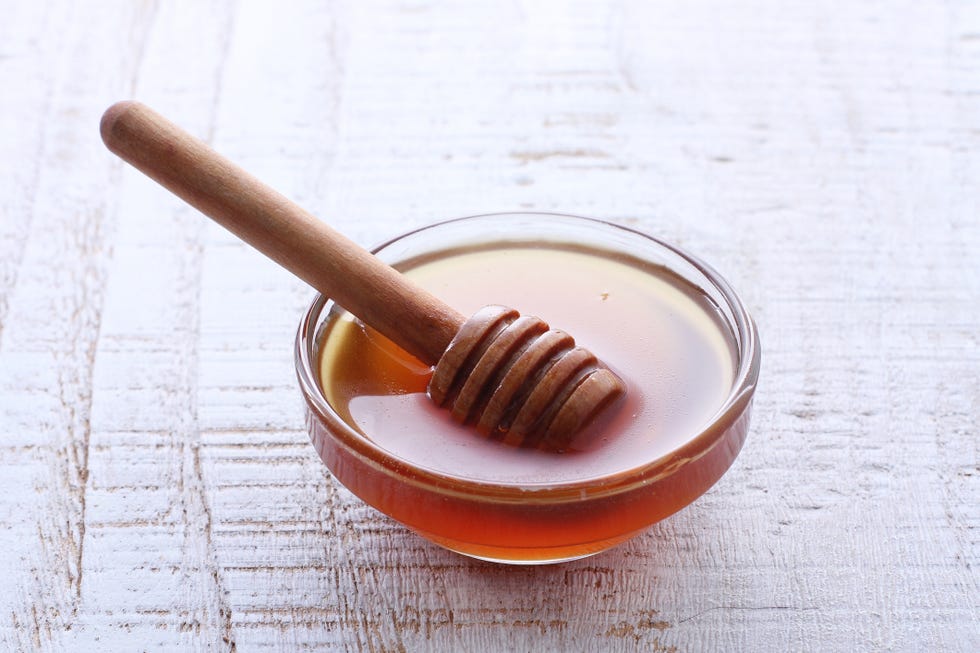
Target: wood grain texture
x=157 y=489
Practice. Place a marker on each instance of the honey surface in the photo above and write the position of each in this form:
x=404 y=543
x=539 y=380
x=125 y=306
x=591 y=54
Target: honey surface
x=660 y=334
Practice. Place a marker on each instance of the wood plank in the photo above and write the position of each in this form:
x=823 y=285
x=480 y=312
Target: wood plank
x=157 y=487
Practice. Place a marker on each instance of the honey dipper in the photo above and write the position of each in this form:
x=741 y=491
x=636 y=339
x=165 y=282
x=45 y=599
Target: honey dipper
x=510 y=376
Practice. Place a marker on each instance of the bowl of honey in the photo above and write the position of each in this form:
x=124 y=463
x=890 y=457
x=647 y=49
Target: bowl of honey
x=663 y=320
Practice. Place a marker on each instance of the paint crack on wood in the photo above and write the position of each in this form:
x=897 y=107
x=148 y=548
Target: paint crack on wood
x=716 y=608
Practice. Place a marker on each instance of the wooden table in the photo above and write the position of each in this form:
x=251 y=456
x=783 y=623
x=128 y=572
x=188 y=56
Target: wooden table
x=157 y=487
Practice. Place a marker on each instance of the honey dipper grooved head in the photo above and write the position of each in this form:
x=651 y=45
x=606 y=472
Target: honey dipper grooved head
x=520 y=381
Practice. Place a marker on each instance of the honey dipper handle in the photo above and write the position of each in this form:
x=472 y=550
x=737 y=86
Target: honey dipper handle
x=330 y=262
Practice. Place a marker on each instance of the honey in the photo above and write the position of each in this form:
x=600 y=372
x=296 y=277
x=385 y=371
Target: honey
x=659 y=331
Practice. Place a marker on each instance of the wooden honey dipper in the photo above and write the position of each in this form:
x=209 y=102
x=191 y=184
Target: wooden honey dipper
x=511 y=376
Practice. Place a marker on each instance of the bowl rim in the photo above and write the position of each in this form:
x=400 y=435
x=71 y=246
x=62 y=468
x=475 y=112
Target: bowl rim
x=736 y=404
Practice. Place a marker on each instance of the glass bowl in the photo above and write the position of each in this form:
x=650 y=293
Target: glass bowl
x=525 y=519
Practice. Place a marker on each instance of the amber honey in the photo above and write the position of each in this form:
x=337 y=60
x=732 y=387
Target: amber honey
x=662 y=448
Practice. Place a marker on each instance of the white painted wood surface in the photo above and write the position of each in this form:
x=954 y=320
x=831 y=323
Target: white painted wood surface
x=157 y=489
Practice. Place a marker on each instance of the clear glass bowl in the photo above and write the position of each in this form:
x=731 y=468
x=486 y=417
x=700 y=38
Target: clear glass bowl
x=521 y=522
